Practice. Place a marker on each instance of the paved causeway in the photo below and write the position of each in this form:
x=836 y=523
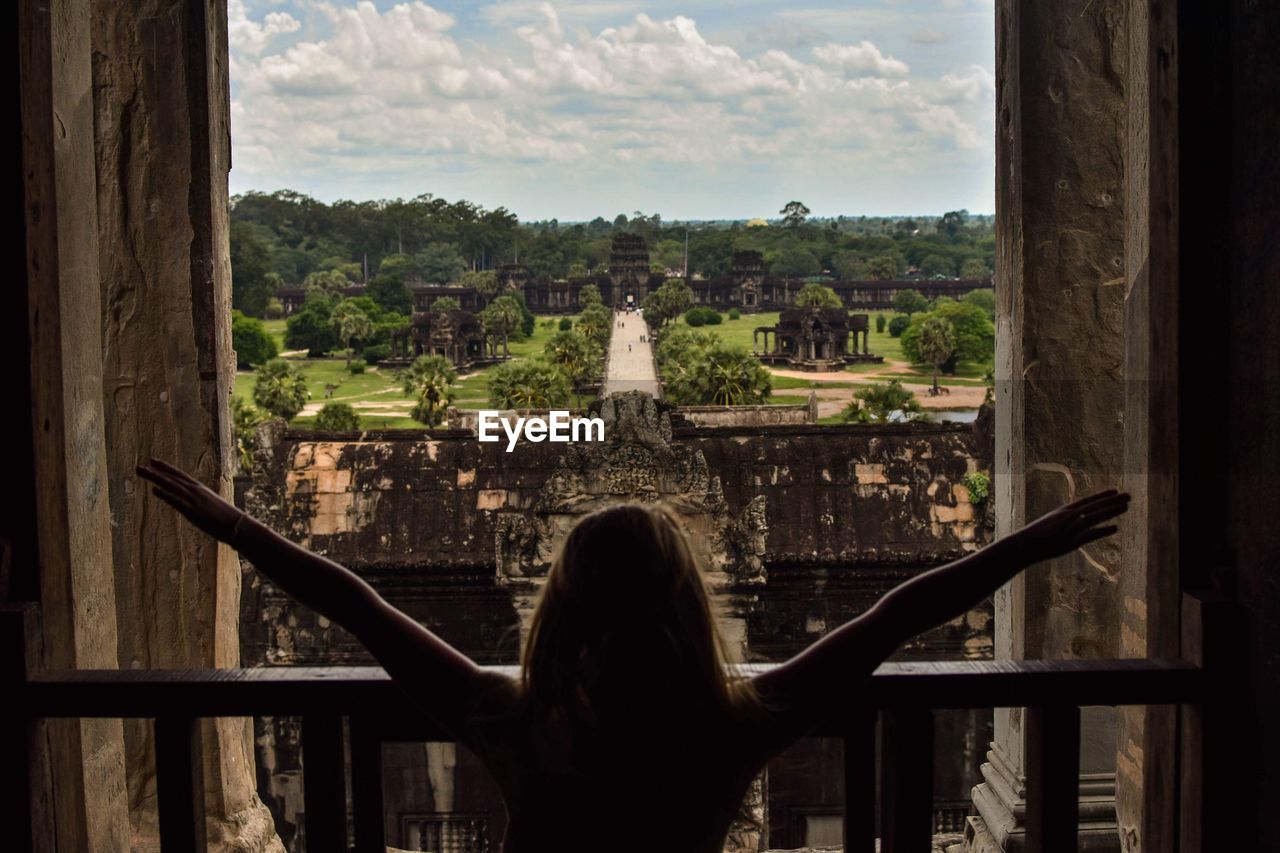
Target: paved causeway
x=630 y=359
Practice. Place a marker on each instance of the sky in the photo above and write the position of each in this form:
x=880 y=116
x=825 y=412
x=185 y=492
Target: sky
x=584 y=108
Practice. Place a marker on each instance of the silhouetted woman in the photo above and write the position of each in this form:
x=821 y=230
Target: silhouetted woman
x=627 y=730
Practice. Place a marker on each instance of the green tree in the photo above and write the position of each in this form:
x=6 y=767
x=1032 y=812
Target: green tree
x=350 y=323
x=439 y=263
x=880 y=323
x=309 y=328
x=429 y=380
x=337 y=417
x=331 y=282
x=250 y=340
x=245 y=418
x=502 y=318
x=596 y=324
x=953 y=222
x=937 y=265
x=397 y=266
x=975 y=334
x=589 y=294
x=984 y=299
x=974 y=268
x=910 y=302
x=484 y=282
x=934 y=343
x=793 y=262
x=577 y=356
x=281 y=389
x=849 y=265
x=390 y=293
x=667 y=302
x=882 y=268
x=878 y=403
x=818 y=295
x=794 y=213
x=251 y=283
x=530 y=383
x=446 y=303
x=898 y=324
x=720 y=375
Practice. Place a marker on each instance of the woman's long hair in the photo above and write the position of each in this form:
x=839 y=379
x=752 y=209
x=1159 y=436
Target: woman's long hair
x=623 y=628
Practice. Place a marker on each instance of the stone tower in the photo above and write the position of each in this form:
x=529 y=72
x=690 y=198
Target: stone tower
x=629 y=270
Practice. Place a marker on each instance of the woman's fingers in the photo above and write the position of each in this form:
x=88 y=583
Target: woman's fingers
x=1106 y=509
x=178 y=502
x=1095 y=534
x=177 y=474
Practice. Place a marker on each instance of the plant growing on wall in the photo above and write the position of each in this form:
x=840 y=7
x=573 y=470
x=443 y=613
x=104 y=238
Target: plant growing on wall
x=979 y=485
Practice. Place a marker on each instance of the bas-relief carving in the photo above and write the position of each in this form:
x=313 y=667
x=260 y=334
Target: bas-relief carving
x=638 y=461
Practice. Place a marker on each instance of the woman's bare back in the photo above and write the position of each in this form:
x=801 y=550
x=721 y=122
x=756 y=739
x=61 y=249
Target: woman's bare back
x=649 y=765
x=657 y=781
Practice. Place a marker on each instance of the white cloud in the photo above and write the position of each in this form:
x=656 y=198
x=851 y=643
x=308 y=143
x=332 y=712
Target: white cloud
x=928 y=35
x=975 y=84
x=397 y=92
x=861 y=58
x=251 y=37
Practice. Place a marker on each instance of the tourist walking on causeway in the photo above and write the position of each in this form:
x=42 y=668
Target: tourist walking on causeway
x=625 y=694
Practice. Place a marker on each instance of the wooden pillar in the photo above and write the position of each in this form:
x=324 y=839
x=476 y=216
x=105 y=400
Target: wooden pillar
x=1059 y=355
x=76 y=589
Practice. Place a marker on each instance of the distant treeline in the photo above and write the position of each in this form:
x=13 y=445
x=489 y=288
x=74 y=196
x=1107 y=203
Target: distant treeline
x=285 y=238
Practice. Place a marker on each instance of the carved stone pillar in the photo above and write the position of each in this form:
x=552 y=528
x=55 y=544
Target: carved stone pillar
x=1059 y=398
x=161 y=110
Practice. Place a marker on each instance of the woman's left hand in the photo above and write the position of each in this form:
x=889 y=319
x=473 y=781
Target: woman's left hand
x=202 y=506
x=1069 y=527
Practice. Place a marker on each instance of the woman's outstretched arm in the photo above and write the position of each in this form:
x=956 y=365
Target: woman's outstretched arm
x=827 y=676
x=441 y=679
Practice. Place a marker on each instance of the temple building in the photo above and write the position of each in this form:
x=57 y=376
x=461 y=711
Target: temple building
x=453 y=333
x=814 y=338
x=629 y=279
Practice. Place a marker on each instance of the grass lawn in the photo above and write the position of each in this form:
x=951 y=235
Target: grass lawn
x=739 y=333
x=275 y=328
x=380 y=385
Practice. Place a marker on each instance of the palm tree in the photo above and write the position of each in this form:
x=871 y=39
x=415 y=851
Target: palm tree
x=430 y=380
x=818 y=295
x=501 y=318
x=281 y=389
x=531 y=383
x=937 y=343
x=575 y=355
x=350 y=323
x=596 y=324
x=734 y=377
x=877 y=403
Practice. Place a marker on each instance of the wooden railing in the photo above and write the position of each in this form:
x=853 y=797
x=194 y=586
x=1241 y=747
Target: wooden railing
x=364 y=707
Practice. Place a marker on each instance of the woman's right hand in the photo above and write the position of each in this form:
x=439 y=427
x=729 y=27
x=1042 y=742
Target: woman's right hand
x=202 y=506
x=1069 y=527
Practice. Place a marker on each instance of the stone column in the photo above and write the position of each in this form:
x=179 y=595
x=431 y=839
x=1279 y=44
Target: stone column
x=1153 y=426
x=163 y=151
x=83 y=807
x=1059 y=293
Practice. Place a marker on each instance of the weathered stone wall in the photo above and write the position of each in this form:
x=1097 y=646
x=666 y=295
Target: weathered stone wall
x=800 y=528
x=752 y=416
x=727 y=416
